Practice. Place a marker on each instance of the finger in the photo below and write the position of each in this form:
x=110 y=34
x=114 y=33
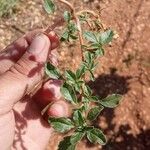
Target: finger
x=25 y=74
x=29 y=125
x=49 y=92
x=59 y=109
x=16 y=50
x=53 y=57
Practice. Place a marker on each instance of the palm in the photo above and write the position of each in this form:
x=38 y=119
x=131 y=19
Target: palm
x=30 y=125
x=31 y=131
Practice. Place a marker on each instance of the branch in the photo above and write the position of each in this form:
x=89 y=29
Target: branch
x=75 y=16
x=59 y=23
x=79 y=33
x=67 y=3
x=89 y=12
x=56 y=23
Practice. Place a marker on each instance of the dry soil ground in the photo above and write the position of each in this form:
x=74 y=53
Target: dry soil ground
x=124 y=69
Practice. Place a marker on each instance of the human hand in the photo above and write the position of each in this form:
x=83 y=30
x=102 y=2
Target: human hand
x=21 y=68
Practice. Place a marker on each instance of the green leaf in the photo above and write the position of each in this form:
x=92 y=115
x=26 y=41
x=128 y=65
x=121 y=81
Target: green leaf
x=78 y=85
x=106 y=37
x=92 y=66
x=69 y=32
x=85 y=101
x=69 y=93
x=76 y=137
x=65 y=36
x=89 y=63
x=67 y=16
x=88 y=128
x=90 y=36
x=65 y=144
x=78 y=118
x=49 y=6
x=84 y=47
x=87 y=90
x=89 y=57
x=98 y=24
x=99 y=52
x=70 y=75
x=61 y=124
x=95 y=98
x=72 y=27
x=80 y=72
x=111 y=101
x=95 y=46
x=92 y=75
x=73 y=37
x=83 y=18
x=52 y=71
x=94 y=112
x=96 y=136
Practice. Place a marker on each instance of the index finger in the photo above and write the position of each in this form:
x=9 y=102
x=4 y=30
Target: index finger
x=12 y=53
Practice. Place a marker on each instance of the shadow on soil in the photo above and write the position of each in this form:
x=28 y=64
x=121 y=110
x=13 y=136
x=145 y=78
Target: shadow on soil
x=110 y=83
x=123 y=140
x=107 y=84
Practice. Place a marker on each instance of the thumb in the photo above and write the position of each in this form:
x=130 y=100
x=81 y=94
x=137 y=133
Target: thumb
x=26 y=73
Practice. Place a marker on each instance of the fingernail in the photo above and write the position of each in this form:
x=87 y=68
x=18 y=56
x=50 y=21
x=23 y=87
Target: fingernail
x=38 y=44
x=52 y=33
x=54 y=39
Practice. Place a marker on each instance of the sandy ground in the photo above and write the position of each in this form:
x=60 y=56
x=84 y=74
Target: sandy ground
x=124 y=69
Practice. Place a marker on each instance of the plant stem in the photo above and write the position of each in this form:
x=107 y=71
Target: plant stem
x=80 y=34
x=59 y=23
x=89 y=12
x=56 y=23
x=67 y=3
x=77 y=21
x=75 y=16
